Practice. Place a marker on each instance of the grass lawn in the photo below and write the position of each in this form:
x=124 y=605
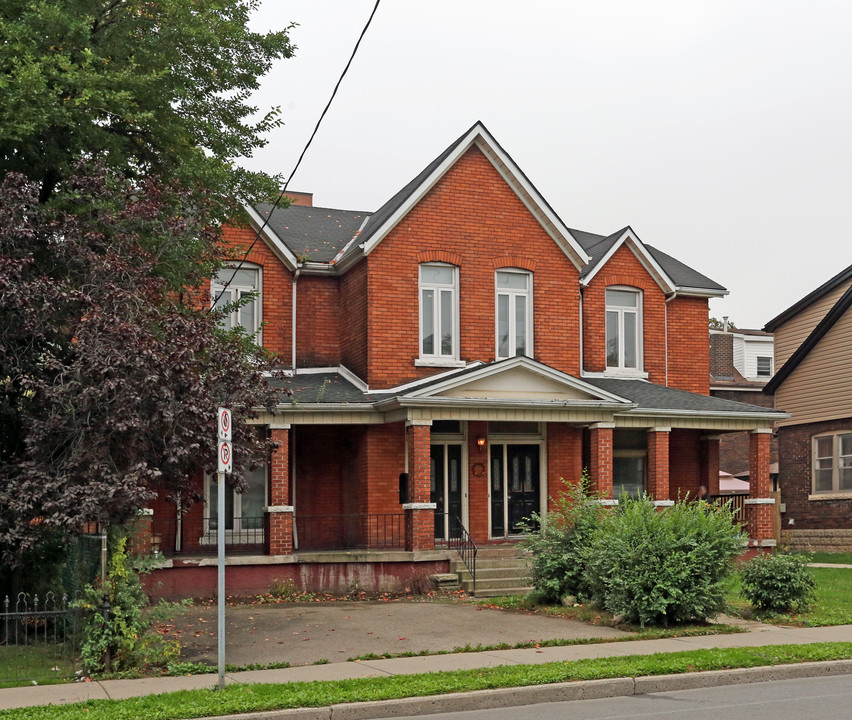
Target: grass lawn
x=263 y=697
x=46 y=664
x=837 y=558
x=833 y=605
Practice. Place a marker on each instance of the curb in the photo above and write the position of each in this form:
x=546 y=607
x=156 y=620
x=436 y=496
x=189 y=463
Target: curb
x=557 y=692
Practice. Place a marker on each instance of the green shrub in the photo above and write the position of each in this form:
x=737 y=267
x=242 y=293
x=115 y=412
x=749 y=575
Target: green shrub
x=557 y=565
x=777 y=583
x=662 y=566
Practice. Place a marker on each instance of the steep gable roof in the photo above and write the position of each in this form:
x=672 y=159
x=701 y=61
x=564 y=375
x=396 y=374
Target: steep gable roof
x=817 y=334
x=823 y=290
x=386 y=217
x=670 y=274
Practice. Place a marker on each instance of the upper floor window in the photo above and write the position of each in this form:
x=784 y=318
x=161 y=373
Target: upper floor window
x=764 y=366
x=623 y=329
x=439 y=311
x=832 y=463
x=240 y=283
x=514 y=313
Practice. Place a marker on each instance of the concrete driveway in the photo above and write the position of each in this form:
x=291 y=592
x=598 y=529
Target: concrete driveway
x=305 y=633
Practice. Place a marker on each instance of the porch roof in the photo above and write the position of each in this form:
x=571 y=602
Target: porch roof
x=517 y=384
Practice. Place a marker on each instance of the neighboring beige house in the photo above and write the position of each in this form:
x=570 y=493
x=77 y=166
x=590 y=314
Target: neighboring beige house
x=813 y=382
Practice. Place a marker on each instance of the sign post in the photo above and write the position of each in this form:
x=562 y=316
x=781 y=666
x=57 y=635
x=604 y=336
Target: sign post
x=224 y=465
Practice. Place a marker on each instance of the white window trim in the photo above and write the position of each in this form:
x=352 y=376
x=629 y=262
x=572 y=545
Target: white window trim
x=216 y=288
x=835 y=466
x=620 y=370
x=237 y=533
x=512 y=294
x=437 y=359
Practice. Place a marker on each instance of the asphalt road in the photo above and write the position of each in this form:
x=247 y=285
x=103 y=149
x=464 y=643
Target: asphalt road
x=822 y=698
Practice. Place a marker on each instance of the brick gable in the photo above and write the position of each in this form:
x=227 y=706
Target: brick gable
x=470 y=214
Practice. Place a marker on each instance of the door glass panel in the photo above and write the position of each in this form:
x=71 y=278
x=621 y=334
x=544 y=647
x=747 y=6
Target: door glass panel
x=437 y=487
x=523 y=481
x=454 y=482
x=497 y=523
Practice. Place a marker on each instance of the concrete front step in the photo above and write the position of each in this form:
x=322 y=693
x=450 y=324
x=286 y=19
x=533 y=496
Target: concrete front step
x=491 y=573
x=499 y=592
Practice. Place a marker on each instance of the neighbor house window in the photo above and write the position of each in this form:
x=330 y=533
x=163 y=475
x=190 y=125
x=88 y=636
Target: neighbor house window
x=513 y=313
x=832 y=463
x=438 y=312
x=623 y=329
x=232 y=285
x=764 y=366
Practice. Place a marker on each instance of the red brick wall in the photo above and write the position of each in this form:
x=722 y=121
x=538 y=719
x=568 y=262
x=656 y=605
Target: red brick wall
x=472 y=214
x=564 y=458
x=684 y=463
x=385 y=461
x=794 y=451
x=277 y=289
x=658 y=465
x=477 y=482
x=353 y=311
x=600 y=460
x=689 y=345
x=318 y=321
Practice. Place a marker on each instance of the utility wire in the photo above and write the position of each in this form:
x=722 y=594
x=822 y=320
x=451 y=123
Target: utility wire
x=299 y=161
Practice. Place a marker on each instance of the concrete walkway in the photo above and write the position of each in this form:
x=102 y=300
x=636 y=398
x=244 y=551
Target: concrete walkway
x=119 y=689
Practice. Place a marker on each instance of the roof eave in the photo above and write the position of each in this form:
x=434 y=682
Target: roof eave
x=275 y=243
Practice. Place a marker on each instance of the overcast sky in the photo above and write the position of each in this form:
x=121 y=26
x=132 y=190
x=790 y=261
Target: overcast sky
x=720 y=131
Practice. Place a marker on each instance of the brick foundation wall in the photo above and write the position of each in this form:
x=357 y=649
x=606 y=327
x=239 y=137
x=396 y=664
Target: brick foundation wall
x=794 y=457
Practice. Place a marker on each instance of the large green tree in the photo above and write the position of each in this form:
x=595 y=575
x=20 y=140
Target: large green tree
x=120 y=124
x=149 y=87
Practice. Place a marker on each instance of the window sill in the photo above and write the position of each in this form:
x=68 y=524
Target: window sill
x=831 y=496
x=618 y=373
x=439 y=362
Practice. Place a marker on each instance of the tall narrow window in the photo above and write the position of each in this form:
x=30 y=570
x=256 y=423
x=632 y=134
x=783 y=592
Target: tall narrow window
x=240 y=283
x=623 y=329
x=438 y=312
x=513 y=313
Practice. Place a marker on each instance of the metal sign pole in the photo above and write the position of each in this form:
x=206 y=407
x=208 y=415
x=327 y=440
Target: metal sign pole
x=220 y=540
x=223 y=466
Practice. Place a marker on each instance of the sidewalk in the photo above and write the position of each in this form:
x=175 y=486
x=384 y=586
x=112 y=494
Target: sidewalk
x=121 y=689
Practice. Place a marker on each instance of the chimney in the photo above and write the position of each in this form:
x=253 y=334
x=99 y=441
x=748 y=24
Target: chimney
x=724 y=323
x=300 y=198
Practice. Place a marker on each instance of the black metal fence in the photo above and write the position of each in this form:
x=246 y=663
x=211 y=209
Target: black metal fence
x=188 y=535
x=350 y=532
x=39 y=638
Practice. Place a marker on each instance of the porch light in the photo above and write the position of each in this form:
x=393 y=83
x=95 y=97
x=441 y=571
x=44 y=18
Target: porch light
x=481 y=443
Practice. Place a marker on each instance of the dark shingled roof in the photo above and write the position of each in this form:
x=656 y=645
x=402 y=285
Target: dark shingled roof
x=597 y=246
x=649 y=396
x=328 y=387
x=313 y=233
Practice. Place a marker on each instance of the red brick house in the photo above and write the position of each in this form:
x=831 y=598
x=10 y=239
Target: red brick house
x=452 y=357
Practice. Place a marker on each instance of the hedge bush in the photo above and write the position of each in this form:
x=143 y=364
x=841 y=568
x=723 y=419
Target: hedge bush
x=666 y=566
x=557 y=564
x=777 y=583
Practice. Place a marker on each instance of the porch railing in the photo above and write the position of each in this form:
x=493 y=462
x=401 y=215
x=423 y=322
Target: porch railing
x=349 y=532
x=737 y=504
x=459 y=539
x=188 y=535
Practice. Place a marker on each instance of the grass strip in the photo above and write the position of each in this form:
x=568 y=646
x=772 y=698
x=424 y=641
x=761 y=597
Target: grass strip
x=253 y=698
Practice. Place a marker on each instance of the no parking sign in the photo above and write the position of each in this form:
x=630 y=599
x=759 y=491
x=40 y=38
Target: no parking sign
x=224 y=455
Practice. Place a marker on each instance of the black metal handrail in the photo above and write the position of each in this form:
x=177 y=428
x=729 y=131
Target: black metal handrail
x=459 y=539
x=385 y=531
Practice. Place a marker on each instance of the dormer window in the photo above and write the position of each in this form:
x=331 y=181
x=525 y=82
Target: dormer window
x=439 y=314
x=513 y=313
x=232 y=285
x=623 y=329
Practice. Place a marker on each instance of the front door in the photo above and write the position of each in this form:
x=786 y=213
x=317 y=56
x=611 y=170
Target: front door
x=446 y=488
x=515 y=488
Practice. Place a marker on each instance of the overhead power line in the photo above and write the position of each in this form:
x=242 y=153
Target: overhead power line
x=301 y=156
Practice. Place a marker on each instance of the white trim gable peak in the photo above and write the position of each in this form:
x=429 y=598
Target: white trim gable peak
x=478 y=135
x=629 y=238
x=520 y=378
